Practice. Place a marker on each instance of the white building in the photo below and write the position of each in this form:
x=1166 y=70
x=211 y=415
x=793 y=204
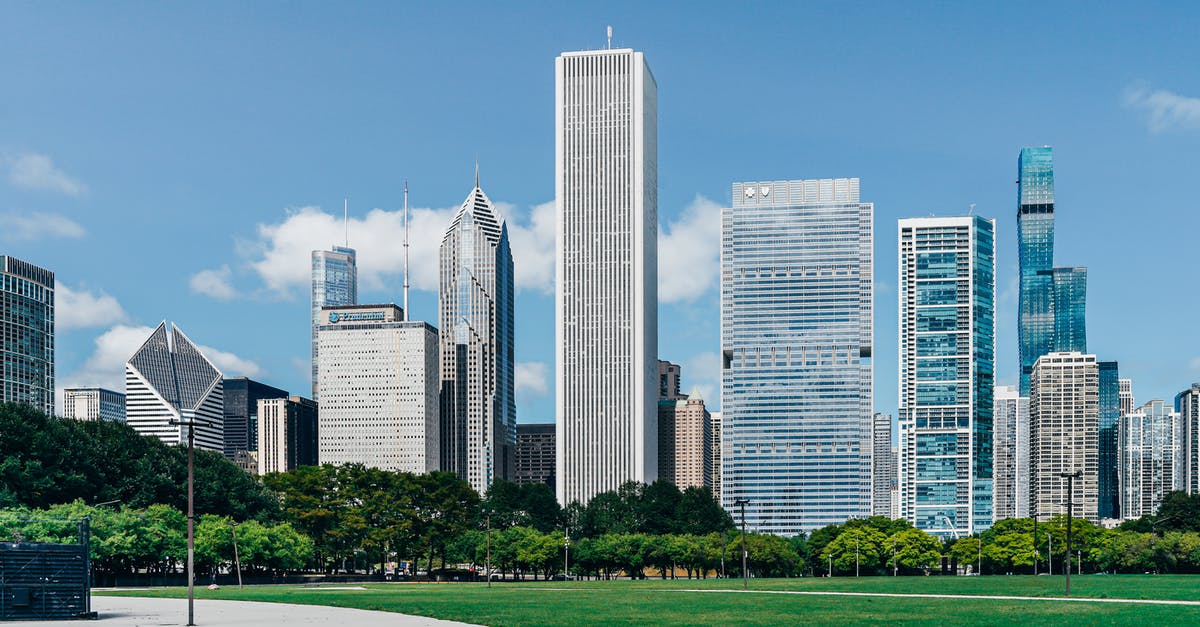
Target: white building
x=168 y=381
x=1125 y=387
x=883 y=466
x=1150 y=448
x=715 y=418
x=287 y=434
x=378 y=382
x=1064 y=434
x=1010 y=452
x=606 y=279
x=93 y=403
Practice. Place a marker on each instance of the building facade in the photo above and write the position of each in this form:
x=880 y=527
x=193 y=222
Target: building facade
x=796 y=346
x=1069 y=307
x=287 y=433
x=93 y=403
x=947 y=371
x=715 y=447
x=1010 y=451
x=27 y=328
x=691 y=450
x=334 y=283
x=241 y=413
x=168 y=381
x=669 y=375
x=1187 y=405
x=1150 y=445
x=478 y=406
x=884 y=477
x=606 y=271
x=379 y=389
x=1064 y=434
x=1107 y=461
x=1125 y=391
x=535 y=454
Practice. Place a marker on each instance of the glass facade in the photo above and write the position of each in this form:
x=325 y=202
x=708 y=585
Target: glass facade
x=1035 y=241
x=947 y=372
x=796 y=332
x=1069 y=308
x=334 y=282
x=27 y=327
x=1109 y=505
x=1149 y=446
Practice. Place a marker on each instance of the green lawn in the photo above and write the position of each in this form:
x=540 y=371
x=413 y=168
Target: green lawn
x=670 y=602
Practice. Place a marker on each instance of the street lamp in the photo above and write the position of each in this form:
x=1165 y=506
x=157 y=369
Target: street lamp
x=1070 y=477
x=856 y=539
x=745 y=574
x=566 y=553
x=191 y=513
x=488 y=566
x=895 y=568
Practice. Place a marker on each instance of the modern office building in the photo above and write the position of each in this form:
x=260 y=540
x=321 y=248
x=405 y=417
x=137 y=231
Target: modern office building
x=606 y=271
x=168 y=381
x=378 y=381
x=1107 y=461
x=93 y=403
x=27 y=330
x=241 y=413
x=535 y=454
x=796 y=333
x=884 y=476
x=1150 y=443
x=715 y=447
x=1010 y=451
x=1064 y=434
x=1125 y=392
x=669 y=375
x=478 y=411
x=687 y=462
x=334 y=283
x=1187 y=405
x=287 y=433
x=947 y=371
x=1069 y=306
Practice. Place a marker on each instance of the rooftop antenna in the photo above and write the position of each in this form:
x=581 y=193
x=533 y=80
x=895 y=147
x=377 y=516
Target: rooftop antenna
x=346 y=219
x=972 y=211
x=476 y=171
x=610 y=36
x=406 y=250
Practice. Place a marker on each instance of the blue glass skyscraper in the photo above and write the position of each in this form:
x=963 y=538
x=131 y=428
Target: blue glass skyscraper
x=27 y=328
x=1109 y=504
x=334 y=282
x=796 y=331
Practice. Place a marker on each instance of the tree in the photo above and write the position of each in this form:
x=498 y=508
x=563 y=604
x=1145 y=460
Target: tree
x=915 y=551
x=698 y=513
x=967 y=551
x=857 y=549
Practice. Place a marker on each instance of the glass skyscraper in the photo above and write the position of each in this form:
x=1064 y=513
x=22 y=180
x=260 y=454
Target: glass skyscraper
x=947 y=372
x=796 y=333
x=1109 y=505
x=27 y=328
x=334 y=283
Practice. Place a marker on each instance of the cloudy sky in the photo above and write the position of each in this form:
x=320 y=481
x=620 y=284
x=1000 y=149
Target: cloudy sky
x=179 y=161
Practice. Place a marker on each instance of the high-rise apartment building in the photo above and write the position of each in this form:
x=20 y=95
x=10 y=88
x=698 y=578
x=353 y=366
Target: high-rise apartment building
x=1010 y=451
x=535 y=454
x=1125 y=392
x=93 y=403
x=796 y=333
x=1150 y=442
x=334 y=283
x=379 y=389
x=715 y=447
x=1064 y=434
x=1107 y=461
x=884 y=476
x=688 y=460
x=27 y=330
x=478 y=406
x=1187 y=405
x=287 y=433
x=168 y=382
x=669 y=375
x=606 y=271
x=947 y=371
x=241 y=413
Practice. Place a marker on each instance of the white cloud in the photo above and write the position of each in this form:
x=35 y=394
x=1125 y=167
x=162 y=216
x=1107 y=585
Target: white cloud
x=533 y=249
x=36 y=225
x=229 y=364
x=34 y=171
x=1196 y=364
x=80 y=309
x=702 y=375
x=689 y=253
x=1165 y=110
x=214 y=282
x=531 y=378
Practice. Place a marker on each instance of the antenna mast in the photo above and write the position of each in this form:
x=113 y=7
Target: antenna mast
x=610 y=36
x=346 y=219
x=406 y=251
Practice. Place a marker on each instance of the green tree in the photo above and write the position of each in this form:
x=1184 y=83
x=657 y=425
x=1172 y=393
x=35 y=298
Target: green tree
x=914 y=551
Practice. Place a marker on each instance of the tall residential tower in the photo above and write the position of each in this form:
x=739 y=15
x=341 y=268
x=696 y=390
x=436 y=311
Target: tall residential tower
x=27 y=331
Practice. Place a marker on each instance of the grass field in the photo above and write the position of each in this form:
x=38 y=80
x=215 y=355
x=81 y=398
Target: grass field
x=720 y=602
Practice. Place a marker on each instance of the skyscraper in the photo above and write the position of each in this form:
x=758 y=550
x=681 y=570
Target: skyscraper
x=241 y=412
x=690 y=462
x=715 y=447
x=1109 y=413
x=287 y=433
x=93 y=403
x=1125 y=392
x=379 y=389
x=478 y=409
x=606 y=278
x=169 y=381
x=1069 y=306
x=1010 y=451
x=334 y=282
x=1187 y=405
x=883 y=466
x=1064 y=434
x=1150 y=442
x=535 y=454
x=27 y=330
x=796 y=332
x=947 y=371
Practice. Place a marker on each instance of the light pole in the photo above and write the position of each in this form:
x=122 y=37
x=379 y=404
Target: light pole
x=856 y=539
x=979 y=546
x=1070 y=477
x=831 y=564
x=237 y=562
x=566 y=553
x=191 y=515
x=488 y=566
x=1050 y=553
x=895 y=568
x=745 y=574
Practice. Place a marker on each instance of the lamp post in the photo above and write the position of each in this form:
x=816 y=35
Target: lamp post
x=1070 y=477
x=895 y=568
x=237 y=562
x=1050 y=553
x=856 y=540
x=745 y=574
x=488 y=566
x=191 y=514
x=566 y=553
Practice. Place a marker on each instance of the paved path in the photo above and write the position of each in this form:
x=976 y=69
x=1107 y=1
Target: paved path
x=145 y=612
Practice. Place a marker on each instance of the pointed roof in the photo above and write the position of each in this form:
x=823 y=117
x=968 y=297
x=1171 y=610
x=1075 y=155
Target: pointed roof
x=482 y=212
x=175 y=367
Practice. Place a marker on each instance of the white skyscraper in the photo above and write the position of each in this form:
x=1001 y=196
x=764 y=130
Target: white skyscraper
x=1010 y=451
x=1150 y=444
x=606 y=300
x=93 y=403
x=168 y=381
x=1064 y=434
x=378 y=380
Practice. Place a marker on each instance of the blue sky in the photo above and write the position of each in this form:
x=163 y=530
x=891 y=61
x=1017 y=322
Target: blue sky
x=177 y=161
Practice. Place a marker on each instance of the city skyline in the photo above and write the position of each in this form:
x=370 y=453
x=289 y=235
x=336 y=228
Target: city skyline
x=230 y=269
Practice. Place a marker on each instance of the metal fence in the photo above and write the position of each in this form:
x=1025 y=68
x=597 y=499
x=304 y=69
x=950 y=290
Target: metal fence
x=42 y=581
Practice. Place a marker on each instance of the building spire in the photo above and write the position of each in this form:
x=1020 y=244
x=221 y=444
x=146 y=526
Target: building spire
x=476 y=170
x=346 y=219
x=406 y=249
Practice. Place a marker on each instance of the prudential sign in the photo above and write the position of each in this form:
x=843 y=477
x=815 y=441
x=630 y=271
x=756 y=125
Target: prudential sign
x=335 y=317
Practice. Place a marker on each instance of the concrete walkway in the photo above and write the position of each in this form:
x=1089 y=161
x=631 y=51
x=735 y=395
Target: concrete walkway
x=145 y=612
